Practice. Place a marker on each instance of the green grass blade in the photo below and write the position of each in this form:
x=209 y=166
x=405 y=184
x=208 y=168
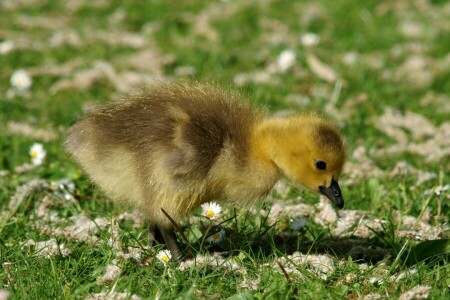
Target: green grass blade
x=428 y=249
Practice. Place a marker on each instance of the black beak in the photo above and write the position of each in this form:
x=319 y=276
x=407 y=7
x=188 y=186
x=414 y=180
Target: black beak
x=333 y=192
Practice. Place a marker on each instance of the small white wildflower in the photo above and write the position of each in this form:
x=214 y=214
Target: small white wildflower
x=285 y=60
x=20 y=80
x=68 y=197
x=216 y=237
x=211 y=210
x=437 y=190
x=310 y=39
x=164 y=256
x=37 y=154
x=6 y=47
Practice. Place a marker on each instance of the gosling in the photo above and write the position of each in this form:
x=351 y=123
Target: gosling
x=178 y=145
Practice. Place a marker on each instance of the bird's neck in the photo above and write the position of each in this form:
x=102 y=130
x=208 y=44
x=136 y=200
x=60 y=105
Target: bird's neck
x=273 y=137
x=266 y=139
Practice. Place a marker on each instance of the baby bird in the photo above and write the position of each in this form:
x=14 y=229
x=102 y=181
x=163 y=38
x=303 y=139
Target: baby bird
x=178 y=145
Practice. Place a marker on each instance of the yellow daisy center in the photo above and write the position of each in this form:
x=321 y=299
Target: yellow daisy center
x=210 y=213
x=34 y=154
x=165 y=258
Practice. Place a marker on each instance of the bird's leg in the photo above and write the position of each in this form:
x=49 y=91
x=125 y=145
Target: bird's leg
x=151 y=234
x=171 y=242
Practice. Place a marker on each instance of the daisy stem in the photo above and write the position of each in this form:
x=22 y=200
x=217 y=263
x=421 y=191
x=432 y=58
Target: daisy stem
x=206 y=233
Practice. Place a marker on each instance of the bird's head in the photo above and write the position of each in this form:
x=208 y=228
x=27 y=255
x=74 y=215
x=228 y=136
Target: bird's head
x=311 y=151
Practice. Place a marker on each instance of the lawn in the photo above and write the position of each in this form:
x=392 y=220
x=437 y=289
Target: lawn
x=379 y=69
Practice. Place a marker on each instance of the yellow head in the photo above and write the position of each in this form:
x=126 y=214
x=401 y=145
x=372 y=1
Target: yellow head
x=309 y=150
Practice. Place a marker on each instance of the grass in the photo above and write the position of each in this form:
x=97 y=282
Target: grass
x=387 y=54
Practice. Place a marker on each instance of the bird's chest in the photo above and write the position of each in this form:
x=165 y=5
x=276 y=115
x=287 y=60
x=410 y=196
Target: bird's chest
x=255 y=186
x=244 y=186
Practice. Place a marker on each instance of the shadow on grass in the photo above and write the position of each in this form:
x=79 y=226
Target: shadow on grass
x=359 y=249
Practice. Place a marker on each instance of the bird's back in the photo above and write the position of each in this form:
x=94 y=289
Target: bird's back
x=170 y=135
x=191 y=122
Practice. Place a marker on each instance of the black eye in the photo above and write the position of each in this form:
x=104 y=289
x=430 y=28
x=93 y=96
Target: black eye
x=321 y=165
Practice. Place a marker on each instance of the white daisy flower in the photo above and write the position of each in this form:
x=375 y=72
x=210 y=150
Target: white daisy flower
x=211 y=210
x=6 y=47
x=285 y=60
x=216 y=237
x=20 y=80
x=37 y=153
x=310 y=39
x=164 y=256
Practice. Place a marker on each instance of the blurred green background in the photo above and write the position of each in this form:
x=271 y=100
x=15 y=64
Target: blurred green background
x=380 y=69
